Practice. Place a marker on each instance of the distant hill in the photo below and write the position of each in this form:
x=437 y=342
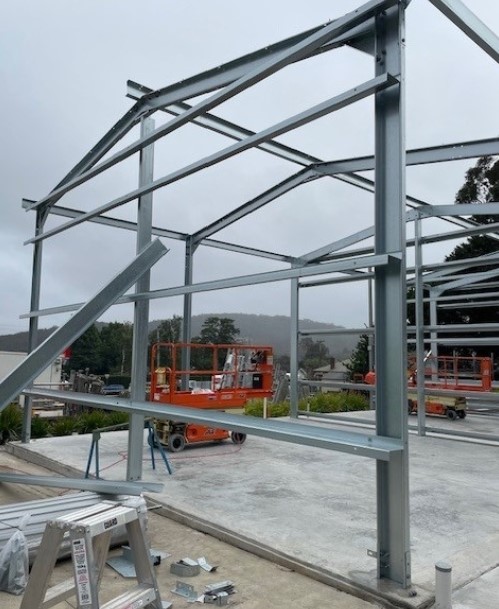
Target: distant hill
x=258 y=329
x=275 y=330
x=19 y=341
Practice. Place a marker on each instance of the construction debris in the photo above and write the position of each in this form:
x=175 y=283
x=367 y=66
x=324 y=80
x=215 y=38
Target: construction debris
x=185 y=590
x=207 y=567
x=186 y=567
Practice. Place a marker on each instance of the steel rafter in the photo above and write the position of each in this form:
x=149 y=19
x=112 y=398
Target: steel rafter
x=340 y=101
x=461 y=16
x=300 y=50
x=305 y=175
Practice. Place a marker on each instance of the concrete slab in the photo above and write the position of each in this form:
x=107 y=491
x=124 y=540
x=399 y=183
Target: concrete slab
x=314 y=510
x=259 y=583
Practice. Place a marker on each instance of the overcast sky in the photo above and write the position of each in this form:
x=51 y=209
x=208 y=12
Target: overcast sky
x=64 y=70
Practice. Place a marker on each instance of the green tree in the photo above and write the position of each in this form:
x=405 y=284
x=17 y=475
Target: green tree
x=168 y=330
x=312 y=354
x=116 y=347
x=215 y=331
x=218 y=331
x=86 y=351
x=481 y=186
x=359 y=360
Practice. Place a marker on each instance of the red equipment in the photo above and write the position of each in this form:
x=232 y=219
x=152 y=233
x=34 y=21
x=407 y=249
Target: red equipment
x=448 y=372
x=219 y=377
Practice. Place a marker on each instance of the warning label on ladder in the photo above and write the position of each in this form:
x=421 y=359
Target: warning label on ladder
x=81 y=571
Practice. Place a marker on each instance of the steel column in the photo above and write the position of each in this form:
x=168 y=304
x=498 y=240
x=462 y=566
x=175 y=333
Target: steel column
x=36 y=278
x=190 y=248
x=141 y=310
x=418 y=297
x=293 y=355
x=390 y=302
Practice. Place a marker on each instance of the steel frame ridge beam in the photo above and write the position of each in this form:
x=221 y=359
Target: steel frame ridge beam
x=37 y=360
x=111 y=487
x=417 y=156
x=300 y=50
x=240 y=281
x=468 y=22
x=67 y=212
x=226 y=74
x=375 y=447
x=340 y=101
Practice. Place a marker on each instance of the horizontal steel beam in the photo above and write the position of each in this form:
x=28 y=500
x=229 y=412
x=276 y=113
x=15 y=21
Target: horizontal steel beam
x=111 y=487
x=456 y=297
x=333 y=280
x=234 y=282
x=470 y=305
x=418 y=156
x=375 y=447
x=334 y=331
x=458 y=328
x=461 y=342
x=169 y=234
x=64 y=336
x=461 y=209
x=340 y=101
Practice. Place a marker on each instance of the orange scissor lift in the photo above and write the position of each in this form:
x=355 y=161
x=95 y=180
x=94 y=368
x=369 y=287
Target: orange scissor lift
x=219 y=377
x=447 y=372
x=454 y=373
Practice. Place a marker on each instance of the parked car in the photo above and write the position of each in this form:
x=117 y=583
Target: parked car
x=113 y=389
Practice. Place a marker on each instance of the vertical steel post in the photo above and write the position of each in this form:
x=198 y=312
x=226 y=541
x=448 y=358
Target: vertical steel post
x=370 y=338
x=390 y=301
x=36 y=278
x=293 y=355
x=434 y=294
x=418 y=297
x=141 y=311
x=190 y=248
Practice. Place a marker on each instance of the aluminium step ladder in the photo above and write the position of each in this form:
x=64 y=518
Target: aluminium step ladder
x=89 y=531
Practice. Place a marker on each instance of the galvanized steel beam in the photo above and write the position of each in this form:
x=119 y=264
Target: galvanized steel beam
x=110 y=487
x=305 y=175
x=340 y=101
x=468 y=22
x=417 y=156
x=53 y=346
x=169 y=234
x=141 y=310
x=390 y=306
x=374 y=447
x=233 y=282
x=298 y=51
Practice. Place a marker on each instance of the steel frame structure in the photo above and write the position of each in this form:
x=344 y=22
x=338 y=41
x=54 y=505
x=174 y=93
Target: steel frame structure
x=376 y=28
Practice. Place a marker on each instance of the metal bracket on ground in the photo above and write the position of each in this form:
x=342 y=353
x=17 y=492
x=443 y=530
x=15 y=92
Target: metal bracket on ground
x=185 y=590
x=185 y=568
x=125 y=564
